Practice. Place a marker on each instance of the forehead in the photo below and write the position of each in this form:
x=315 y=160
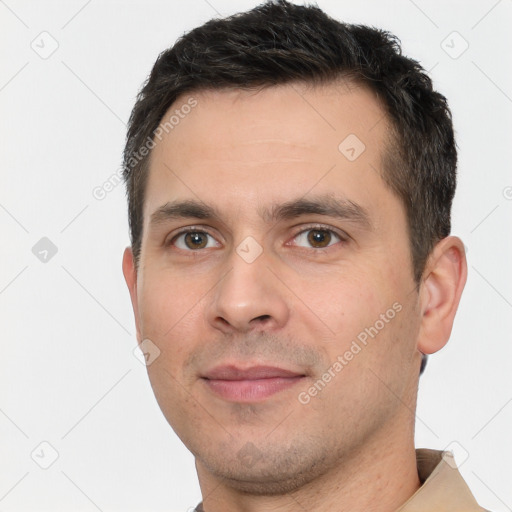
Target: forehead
x=240 y=147
x=300 y=114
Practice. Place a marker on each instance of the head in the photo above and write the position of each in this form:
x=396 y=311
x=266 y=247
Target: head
x=314 y=167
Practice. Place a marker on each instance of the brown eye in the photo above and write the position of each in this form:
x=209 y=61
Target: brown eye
x=196 y=240
x=319 y=237
x=193 y=240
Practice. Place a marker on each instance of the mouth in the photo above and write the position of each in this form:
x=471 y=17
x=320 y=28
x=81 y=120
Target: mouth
x=253 y=384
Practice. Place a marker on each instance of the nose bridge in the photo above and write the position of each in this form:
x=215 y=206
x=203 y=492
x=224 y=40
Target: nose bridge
x=249 y=293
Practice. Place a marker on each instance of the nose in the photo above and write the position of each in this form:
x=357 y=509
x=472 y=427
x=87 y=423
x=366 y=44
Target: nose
x=249 y=297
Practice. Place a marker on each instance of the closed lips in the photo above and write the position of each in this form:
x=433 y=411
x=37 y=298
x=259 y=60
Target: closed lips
x=253 y=373
x=249 y=385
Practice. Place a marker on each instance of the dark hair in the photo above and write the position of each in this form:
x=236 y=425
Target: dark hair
x=278 y=43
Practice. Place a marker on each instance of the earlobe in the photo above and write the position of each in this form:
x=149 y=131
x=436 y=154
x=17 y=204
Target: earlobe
x=130 y=276
x=441 y=288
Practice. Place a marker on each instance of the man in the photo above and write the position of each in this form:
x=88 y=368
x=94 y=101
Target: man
x=290 y=181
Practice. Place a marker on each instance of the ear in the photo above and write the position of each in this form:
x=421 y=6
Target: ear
x=441 y=288
x=130 y=276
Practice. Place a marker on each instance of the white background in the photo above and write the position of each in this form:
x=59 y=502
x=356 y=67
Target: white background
x=68 y=374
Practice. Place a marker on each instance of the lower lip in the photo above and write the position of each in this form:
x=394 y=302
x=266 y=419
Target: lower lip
x=251 y=390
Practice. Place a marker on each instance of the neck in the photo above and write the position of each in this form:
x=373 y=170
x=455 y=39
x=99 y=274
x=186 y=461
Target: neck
x=379 y=477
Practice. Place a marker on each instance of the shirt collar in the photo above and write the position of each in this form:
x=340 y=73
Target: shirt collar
x=443 y=489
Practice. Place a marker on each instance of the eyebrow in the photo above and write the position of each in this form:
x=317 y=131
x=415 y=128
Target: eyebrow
x=326 y=205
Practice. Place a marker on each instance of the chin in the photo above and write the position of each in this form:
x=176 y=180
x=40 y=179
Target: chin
x=262 y=474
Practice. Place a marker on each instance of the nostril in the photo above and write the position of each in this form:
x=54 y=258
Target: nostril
x=223 y=320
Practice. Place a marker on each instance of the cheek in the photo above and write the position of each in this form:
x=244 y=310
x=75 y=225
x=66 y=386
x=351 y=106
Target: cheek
x=181 y=411
x=365 y=312
x=345 y=300
x=171 y=314
x=167 y=301
x=169 y=310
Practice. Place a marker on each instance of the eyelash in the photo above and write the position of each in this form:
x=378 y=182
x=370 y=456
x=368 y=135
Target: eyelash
x=343 y=237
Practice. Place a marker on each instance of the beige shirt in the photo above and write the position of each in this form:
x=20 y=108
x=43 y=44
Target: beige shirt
x=443 y=489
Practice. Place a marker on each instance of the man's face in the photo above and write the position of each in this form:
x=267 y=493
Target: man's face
x=287 y=334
